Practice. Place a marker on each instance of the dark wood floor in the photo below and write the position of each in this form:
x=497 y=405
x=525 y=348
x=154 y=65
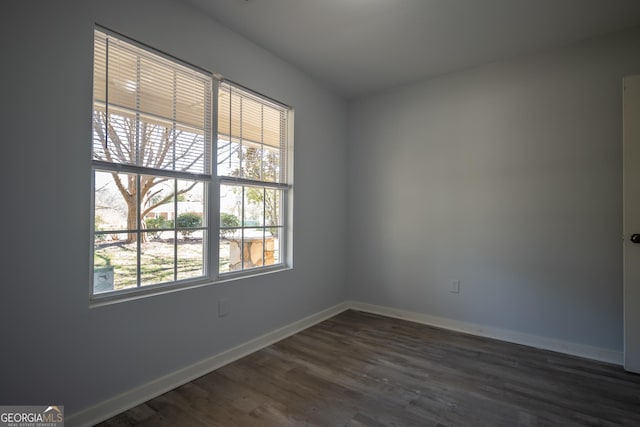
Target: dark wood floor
x=358 y=369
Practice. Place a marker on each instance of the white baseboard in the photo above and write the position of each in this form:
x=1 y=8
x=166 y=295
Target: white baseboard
x=589 y=352
x=138 y=395
x=141 y=394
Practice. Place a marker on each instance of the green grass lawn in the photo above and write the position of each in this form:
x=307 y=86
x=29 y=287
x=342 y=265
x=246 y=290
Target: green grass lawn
x=156 y=261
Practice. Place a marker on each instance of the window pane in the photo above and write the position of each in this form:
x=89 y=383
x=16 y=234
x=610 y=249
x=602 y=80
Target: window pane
x=230 y=205
x=157 y=261
x=253 y=206
x=114 y=263
x=276 y=252
x=259 y=244
x=273 y=213
x=157 y=203
x=271 y=247
x=191 y=257
x=188 y=224
x=231 y=248
x=275 y=232
x=191 y=200
x=115 y=207
x=253 y=248
x=224 y=255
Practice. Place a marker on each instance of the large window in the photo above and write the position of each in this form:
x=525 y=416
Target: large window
x=153 y=173
x=252 y=176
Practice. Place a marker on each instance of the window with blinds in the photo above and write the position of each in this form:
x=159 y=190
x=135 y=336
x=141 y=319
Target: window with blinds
x=156 y=173
x=152 y=167
x=252 y=175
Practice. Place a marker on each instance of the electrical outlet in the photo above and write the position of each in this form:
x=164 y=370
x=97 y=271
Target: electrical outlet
x=223 y=307
x=455 y=286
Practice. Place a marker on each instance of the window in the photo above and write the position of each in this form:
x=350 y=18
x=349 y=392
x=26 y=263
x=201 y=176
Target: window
x=252 y=176
x=154 y=180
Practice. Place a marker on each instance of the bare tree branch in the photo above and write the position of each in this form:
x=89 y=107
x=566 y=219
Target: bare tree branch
x=166 y=199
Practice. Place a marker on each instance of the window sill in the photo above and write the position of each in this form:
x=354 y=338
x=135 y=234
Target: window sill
x=151 y=291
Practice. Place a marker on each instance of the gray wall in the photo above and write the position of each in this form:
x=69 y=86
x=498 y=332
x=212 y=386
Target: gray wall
x=54 y=347
x=506 y=177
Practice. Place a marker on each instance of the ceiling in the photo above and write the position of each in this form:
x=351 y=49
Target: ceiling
x=361 y=46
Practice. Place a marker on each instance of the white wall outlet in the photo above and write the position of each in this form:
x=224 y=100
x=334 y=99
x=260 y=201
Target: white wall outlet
x=223 y=307
x=455 y=286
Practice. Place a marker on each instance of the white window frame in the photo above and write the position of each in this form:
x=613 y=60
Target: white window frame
x=284 y=184
x=211 y=273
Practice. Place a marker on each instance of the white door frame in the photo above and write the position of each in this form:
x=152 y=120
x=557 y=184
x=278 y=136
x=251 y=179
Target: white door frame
x=631 y=221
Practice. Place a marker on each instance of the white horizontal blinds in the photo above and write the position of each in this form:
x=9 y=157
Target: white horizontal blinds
x=149 y=111
x=252 y=136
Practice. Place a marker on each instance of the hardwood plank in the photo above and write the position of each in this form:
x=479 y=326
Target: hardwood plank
x=359 y=369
